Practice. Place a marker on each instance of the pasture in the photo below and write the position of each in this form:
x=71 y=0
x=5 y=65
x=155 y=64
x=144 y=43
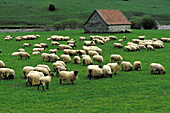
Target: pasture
x=133 y=91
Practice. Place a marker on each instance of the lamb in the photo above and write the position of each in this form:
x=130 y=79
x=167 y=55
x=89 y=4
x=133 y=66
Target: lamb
x=157 y=68
x=82 y=38
x=89 y=43
x=65 y=58
x=116 y=57
x=36 y=53
x=45 y=80
x=126 y=66
x=53 y=51
x=137 y=65
x=68 y=76
x=54 y=43
x=7 y=73
x=92 y=53
x=87 y=60
x=2 y=64
x=76 y=59
x=149 y=47
x=21 y=55
x=97 y=58
x=117 y=45
x=33 y=78
x=94 y=71
x=115 y=67
x=107 y=71
x=27 y=69
x=26 y=45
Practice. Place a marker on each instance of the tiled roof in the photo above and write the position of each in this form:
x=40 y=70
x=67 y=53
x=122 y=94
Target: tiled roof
x=112 y=16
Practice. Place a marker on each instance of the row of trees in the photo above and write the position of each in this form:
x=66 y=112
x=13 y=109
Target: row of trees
x=146 y=22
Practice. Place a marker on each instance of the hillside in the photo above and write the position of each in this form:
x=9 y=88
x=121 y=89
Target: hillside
x=36 y=13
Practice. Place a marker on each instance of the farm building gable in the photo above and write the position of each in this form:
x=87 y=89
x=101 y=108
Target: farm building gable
x=104 y=20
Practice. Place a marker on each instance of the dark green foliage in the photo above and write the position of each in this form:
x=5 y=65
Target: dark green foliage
x=136 y=23
x=148 y=22
x=68 y=24
x=51 y=7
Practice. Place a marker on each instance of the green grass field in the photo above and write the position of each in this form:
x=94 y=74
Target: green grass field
x=134 y=91
x=34 y=13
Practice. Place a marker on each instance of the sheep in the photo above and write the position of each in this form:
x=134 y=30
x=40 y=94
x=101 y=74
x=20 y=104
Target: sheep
x=112 y=37
x=94 y=71
x=156 y=68
x=116 y=57
x=2 y=64
x=117 y=45
x=99 y=41
x=107 y=71
x=59 y=66
x=45 y=56
x=71 y=42
x=142 y=47
x=82 y=38
x=39 y=49
x=37 y=36
x=43 y=70
x=37 y=46
x=44 y=45
x=157 y=45
x=68 y=76
x=21 y=50
x=72 y=45
x=95 y=48
x=73 y=52
x=36 y=53
x=21 y=55
x=66 y=51
x=142 y=37
x=33 y=78
x=126 y=66
x=53 y=51
x=65 y=58
x=89 y=43
x=127 y=48
x=149 y=47
x=18 y=38
x=136 y=40
x=97 y=58
x=115 y=67
x=26 y=45
x=87 y=60
x=62 y=47
x=76 y=59
x=92 y=53
x=120 y=40
x=165 y=39
x=124 y=37
x=133 y=48
x=7 y=73
x=27 y=69
x=54 y=43
x=44 y=66
x=154 y=39
x=50 y=57
x=137 y=65
x=81 y=52
x=45 y=80
x=48 y=38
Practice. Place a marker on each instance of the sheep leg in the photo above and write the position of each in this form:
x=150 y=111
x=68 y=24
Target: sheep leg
x=47 y=86
x=60 y=81
x=38 y=86
x=110 y=75
x=43 y=88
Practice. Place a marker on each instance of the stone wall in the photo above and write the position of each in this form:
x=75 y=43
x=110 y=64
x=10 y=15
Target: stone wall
x=95 y=25
x=118 y=28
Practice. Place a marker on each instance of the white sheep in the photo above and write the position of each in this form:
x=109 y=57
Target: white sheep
x=142 y=47
x=68 y=76
x=156 y=68
x=54 y=43
x=62 y=47
x=39 y=49
x=37 y=46
x=94 y=71
x=73 y=52
x=137 y=65
x=27 y=69
x=107 y=71
x=44 y=45
x=76 y=59
x=92 y=53
x=115 y=67
x=126 y=66
x=65 y=58
x=7 y=73
x=127 y=48
x=86 y=60
x=58 y=63
x=53 y=51
x=117 y=45
x=43 y=70
x=142 y=37
x=81 y=52
x=36 y=53
x=116 y=57
x=113 y=37
x=97 y=58
x=21 y=50
x=82 y=38
x=45 y=80
x=89 y=43
x=21 y=55
x=50 y=57
x=2 y=64
x=149 y=47
x=44 y=66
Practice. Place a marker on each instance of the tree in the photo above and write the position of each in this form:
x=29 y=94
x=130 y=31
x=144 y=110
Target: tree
x=136 y=23
x=148 y=22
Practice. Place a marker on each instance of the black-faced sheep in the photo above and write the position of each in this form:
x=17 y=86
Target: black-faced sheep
x=65 y=58
x=126 y=66
x=156 y=68
x=98 y=58
x=137 y=65
x=76 y=59
x=45 y=80
x=21 y=55
x=7 y=73
x=115 y=67
x=27 y=69
x=116 y=57
x=117 y=45
x=149 y=47
x=92 y=53
x=94 y=71
x=89 y=43
x=107 y=71
x=87 y=60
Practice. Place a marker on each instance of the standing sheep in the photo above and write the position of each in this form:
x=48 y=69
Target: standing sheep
x=156 y=68
x=97 y=58
x=2 y=65
x=27 y=69
x=65 y=58
x=87 y=60
x=76 y=59
x=68 y=76
x=21 y=55
x=94 y=71
x=126 y=66
x=115 y=67
x=45 y=80
x=116 y=57
x=107 y=71
x=137 y=65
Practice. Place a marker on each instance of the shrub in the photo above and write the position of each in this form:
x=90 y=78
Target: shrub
x=148 y=22
x=51 y=7
x=136 y=23
x=68 y=24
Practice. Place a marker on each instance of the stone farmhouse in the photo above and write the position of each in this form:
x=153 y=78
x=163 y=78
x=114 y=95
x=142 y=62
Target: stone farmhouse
x=107 y=21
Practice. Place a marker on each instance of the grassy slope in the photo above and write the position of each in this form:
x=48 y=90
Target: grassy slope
x=126 y=92
x=35 y=12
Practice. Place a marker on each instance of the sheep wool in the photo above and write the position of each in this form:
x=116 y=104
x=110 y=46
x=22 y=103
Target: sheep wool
x=137 y=65
x=65 y=58
x=126 y=66
x=115 y=67
x=76 y=59
x=2 y=64
x=107 y=71
x=68 y=76
x=27 y=69
x=97 y=58
x=156 y=68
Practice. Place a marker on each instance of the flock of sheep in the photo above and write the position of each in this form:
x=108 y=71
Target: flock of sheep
x=90 y=55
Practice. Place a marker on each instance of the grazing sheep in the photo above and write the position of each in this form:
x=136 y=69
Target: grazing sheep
x=92 y=53
x=50 y=57
x=48 y=38
x=53 y=51
x=71 y=42
x=127 y=48
x=26 y=45
x=112 y=37
x=43 y=70
x=126 y=66
x=2 y=64
x=157 y=68
x=82 y=38
x=62 y=47
x=149 y=47
x=21 y=55
x=115 y=67
x=117 y=45
x=54 y=43
x=68 y=76
x=87 y=60
x=33 y=78
x=73 y=52
x=94 y=71
x=36 y=53
x=136 y=40
x=39 y=49
x=97 y=58
x=59 y=66
x=37 y=46
x=137 y=65
x=66 y=51
x=7 y=73
x=89 y=43
x=157 y=45
x=81 y=52
x=107 y=71
x=18 y=38
x=165 y=39
x=142 y=47
x=21 y=50
x=124 y=37
x=65 y=58
x=142 y=37
x=116 y=57
x=45 y=80
x=44 y=66
x=98 y=41
x=27 y=69
x=76 y=59
x=44 y=45
x=120 y=40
